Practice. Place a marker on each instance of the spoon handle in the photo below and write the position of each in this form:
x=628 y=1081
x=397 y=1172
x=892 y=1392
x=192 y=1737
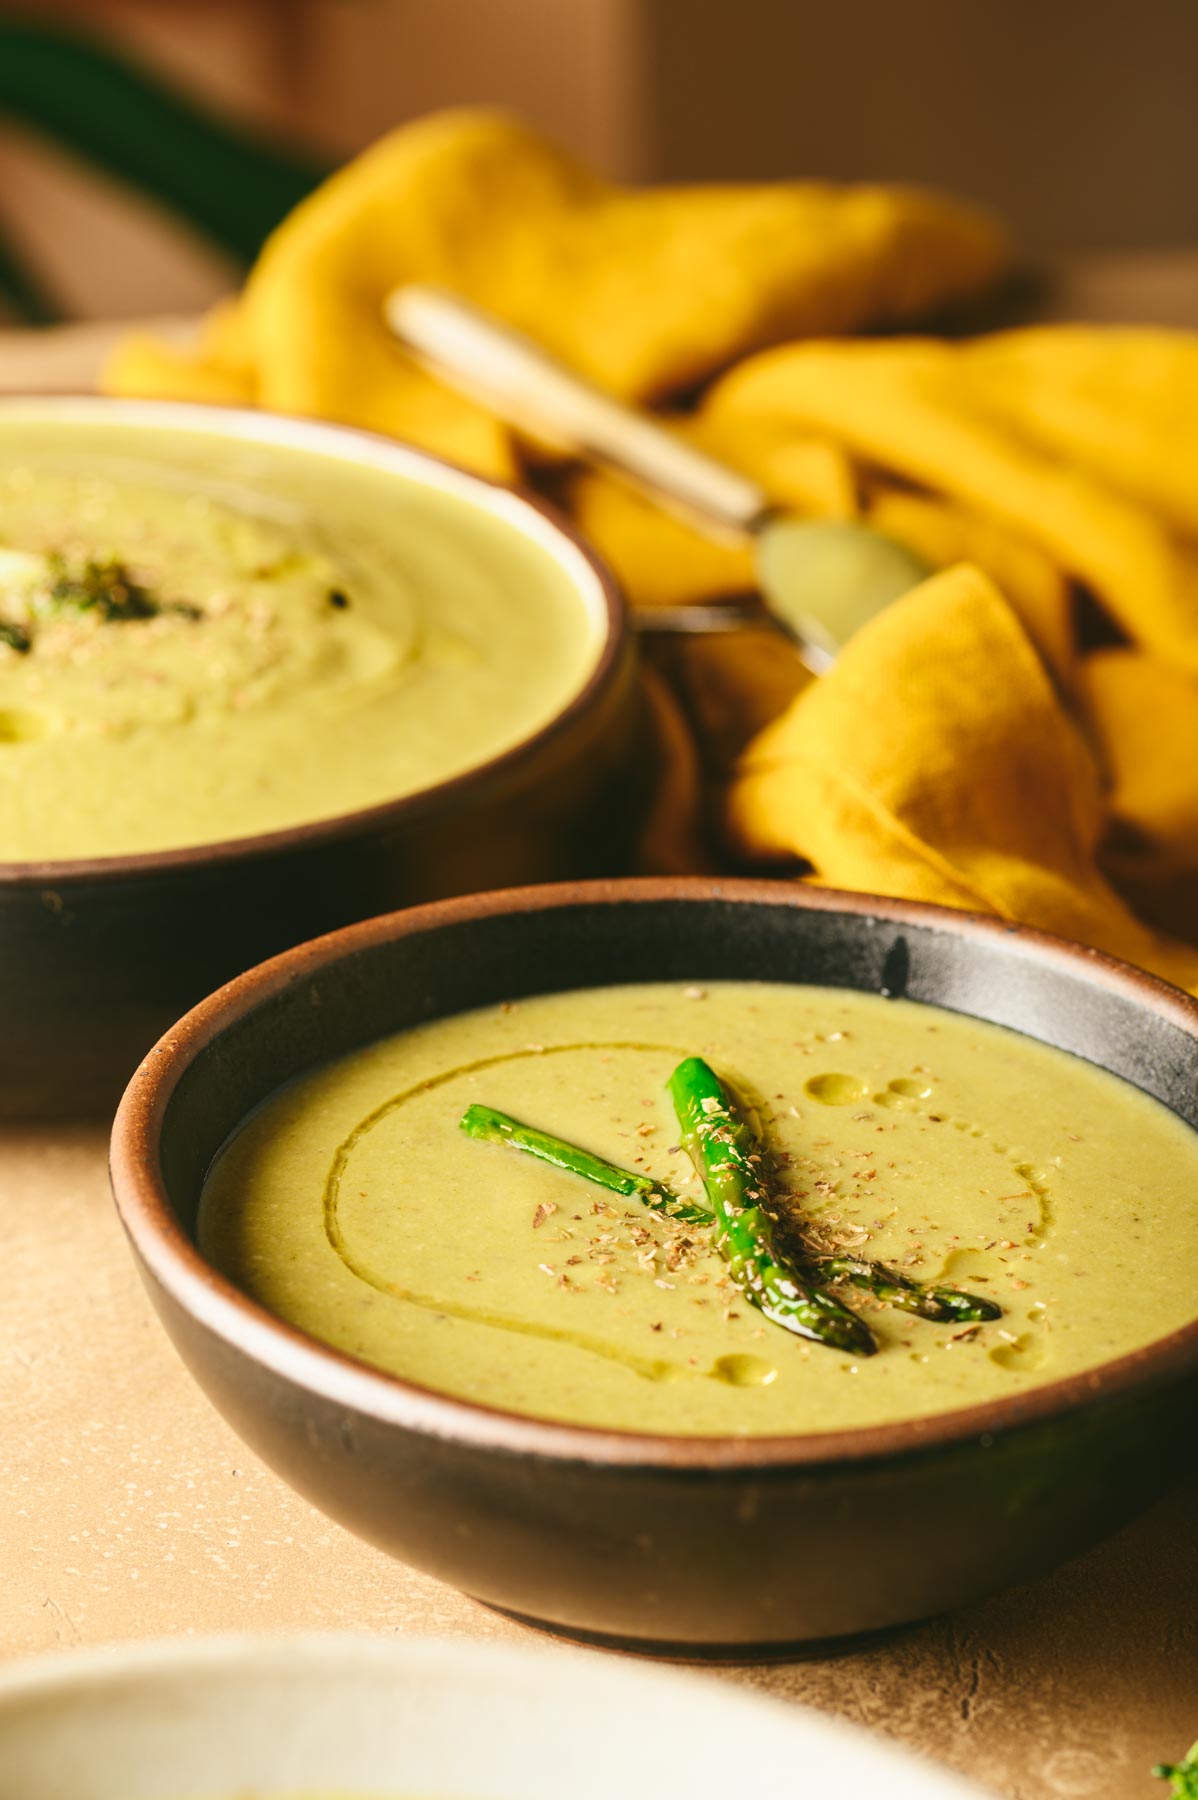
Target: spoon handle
x=513 y=377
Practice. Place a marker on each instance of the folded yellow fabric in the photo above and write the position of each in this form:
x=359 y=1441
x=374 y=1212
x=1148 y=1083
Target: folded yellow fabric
x=1004 y=427
x=647 y=291
x=973 y=789
x=1062 y=462
x=1021 y=733
x=1144 y=720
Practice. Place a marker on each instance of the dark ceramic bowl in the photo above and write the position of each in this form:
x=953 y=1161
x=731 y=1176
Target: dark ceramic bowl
x=697 y=1542
x=100 y=955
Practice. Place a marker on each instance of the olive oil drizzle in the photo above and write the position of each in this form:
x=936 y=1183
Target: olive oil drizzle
x=726 y=1369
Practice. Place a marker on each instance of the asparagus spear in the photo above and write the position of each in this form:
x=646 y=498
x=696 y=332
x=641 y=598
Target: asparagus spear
x=720 y=1146
x=493 y=1127
x=942 y=1304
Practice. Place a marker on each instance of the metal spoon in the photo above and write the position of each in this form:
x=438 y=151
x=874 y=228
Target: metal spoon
x=820 y=579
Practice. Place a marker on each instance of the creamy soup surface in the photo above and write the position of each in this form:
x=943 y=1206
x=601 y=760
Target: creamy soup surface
x=352 y=1205
x=201 y=640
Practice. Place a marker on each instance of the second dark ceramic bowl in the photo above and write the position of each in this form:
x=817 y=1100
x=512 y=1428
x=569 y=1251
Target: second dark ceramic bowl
x=703 y=1543
x=99 y=955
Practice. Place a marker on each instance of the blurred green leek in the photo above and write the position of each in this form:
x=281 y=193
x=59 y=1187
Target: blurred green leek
x=231 y=184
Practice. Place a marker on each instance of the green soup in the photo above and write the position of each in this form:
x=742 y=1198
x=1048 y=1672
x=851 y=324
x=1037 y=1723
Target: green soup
x=204 y=639
x=352 y=1205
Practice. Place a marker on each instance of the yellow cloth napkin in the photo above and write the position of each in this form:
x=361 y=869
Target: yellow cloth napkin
x=972 y=787
x=648 y=292
x=1062 y=462
x=1021 y=733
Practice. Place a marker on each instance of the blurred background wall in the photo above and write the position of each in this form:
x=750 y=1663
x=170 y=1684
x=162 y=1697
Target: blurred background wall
x=1076 y=118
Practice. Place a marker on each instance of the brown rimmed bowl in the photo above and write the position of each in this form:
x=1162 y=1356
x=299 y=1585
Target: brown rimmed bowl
x=704 y=1544
x=99 y=955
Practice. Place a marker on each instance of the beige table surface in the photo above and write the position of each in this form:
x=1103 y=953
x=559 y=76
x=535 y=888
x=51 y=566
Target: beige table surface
x=128 y=1509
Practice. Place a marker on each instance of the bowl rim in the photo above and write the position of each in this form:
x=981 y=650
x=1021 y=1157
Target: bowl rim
x=539 y=522
x=171 y=1258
